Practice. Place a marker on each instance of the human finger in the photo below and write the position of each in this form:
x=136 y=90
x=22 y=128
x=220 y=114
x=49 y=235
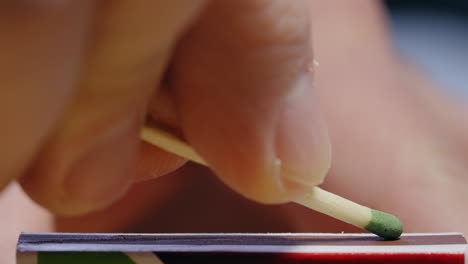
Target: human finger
x=90 y=160
x=243 y=87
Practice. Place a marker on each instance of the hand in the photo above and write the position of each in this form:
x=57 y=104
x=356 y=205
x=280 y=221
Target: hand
x=399 y=146
x=80 y=77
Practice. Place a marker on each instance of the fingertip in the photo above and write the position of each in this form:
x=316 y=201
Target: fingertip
x=154 y=162
x=81 y=173
x=231 y=89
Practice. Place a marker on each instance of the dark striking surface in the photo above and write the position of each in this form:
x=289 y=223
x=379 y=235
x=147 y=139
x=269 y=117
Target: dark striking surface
x=252 y=258
x=30 y=242
x=298 y=258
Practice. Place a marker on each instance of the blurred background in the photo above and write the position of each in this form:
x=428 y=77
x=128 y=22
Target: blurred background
x=434 y=34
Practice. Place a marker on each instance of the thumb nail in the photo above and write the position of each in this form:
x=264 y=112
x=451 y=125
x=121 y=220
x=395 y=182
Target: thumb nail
x=302 y=142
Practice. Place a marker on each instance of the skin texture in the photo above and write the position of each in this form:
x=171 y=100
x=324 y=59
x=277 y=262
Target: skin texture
x=398 y=145
x=246 y=85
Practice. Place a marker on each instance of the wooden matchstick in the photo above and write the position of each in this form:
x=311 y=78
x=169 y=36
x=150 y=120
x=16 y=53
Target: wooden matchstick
x=382 y=224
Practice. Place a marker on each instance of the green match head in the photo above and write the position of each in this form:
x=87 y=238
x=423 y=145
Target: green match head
x=385 y=225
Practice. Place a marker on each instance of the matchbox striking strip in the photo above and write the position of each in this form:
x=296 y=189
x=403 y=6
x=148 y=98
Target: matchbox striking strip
x=239 y=248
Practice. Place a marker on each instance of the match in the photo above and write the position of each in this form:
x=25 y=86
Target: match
x=385 y=225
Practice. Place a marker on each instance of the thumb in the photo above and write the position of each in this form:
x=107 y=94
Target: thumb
x=244 y=93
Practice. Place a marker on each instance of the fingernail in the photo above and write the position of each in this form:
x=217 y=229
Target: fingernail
x=302 y=141
x=103 y=173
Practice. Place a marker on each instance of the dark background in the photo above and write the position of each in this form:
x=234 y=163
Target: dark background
x=434 y=34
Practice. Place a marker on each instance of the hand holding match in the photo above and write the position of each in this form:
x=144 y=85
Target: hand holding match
x=382 y=224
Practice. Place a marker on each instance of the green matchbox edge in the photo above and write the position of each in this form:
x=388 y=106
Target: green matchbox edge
x=83 y=257
x=387 y=226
